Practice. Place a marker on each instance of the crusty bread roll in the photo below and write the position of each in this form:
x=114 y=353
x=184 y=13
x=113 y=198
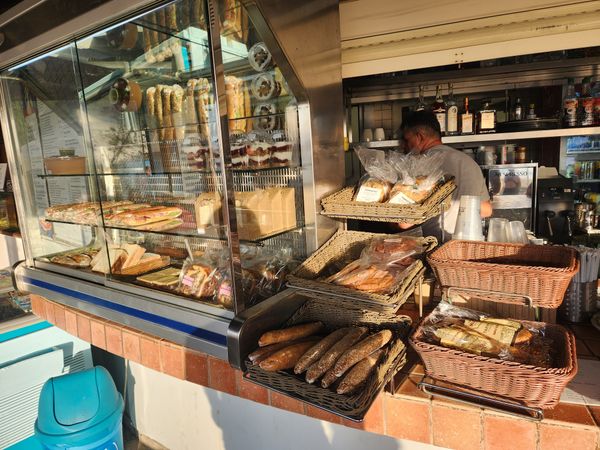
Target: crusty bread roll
x=372 y=190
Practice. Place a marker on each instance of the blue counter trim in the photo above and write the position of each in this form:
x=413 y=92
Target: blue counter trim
x=23 y=331
x=179 y=326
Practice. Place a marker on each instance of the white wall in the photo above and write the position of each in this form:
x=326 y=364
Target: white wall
x=183 y=415
x=11 y=250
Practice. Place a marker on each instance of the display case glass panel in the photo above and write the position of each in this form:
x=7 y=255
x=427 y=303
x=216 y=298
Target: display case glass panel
x=140 y=190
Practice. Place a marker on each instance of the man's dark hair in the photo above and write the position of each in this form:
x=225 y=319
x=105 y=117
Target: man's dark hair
x=423 y=121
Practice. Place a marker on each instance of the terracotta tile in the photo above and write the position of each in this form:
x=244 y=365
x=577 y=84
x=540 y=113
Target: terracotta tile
x=37 y=306
x=317 y=413
x=585 y=331
x=114 y=339
x=221 y=376
x=59 y=316
x=150 y=351
x=98 y=333
x=70 y=322
x=523 y=433
x=196 y=367
x=553 y=437
x=131 y=345
x=582 y=350
x=84 y=328
x=571 y=413
x=409 y=388
x=593 y=345
x=49 y=306
x=172 y=360
x=288 y=403
x=456 y=428
x=595 y=410
x=442 y=401
x=374 y=419
x=251 y=391
x=407 y=419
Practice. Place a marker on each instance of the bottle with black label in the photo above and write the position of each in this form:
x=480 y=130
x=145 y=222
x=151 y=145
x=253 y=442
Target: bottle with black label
x=421 y=106
x=439 y=109
x=466 y=119
x=451 y=113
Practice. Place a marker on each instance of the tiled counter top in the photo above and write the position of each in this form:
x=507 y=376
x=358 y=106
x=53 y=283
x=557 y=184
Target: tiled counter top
x=406 y=413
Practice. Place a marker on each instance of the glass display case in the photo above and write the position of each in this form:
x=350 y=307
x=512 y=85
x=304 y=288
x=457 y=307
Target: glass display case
x=161 y=157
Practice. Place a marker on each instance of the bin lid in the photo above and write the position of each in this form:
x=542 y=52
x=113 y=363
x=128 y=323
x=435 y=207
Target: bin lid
x=71 y=403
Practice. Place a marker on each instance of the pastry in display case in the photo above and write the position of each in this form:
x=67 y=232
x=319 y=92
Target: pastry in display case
x=127 y=181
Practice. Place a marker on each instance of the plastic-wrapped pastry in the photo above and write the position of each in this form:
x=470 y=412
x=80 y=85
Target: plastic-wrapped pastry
x=125 y=95
x=375 y=186
x=259 y=57
x=264 y=86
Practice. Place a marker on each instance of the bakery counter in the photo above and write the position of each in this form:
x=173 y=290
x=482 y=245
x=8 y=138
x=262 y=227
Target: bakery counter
x=195 y=325
x=400 y=411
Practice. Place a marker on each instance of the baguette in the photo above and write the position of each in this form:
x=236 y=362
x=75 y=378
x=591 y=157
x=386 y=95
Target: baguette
x=287 y=357
x=191 y=115
x=158 y=111
x=359 y=373
x=328 y=379
x=171 y=18
x=361 y=350
x=262 y=353
x=319 y=349
x=177 y=110
x=290 y=334
x=166 y=112
x=331 y=356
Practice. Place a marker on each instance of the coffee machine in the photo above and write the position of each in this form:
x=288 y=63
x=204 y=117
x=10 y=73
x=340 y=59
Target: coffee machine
x=555 y=209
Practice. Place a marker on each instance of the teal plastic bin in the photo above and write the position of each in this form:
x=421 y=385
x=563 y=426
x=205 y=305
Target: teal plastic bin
x=80 y=411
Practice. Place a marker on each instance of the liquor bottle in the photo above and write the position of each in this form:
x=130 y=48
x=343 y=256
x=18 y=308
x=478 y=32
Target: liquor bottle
x=586 y=104
x=570 y=103
x=466 y=119
x=517 y=112
x=451 y=113
x=531 y=112
x=486 y=118
x=439 y=109
x=421 y=106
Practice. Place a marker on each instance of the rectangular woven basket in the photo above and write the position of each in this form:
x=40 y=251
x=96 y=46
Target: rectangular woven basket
x=529 y=385
x=352 y=406
x=542 y=272
x=342 y=248
x=341 y=206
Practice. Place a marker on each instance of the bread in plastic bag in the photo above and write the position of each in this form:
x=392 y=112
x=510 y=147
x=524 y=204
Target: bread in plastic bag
x=382 y=266
x=374 y=187
x=478 y=333
x=418 y=175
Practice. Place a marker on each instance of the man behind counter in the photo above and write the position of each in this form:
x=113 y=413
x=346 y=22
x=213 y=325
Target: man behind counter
x=421 y=134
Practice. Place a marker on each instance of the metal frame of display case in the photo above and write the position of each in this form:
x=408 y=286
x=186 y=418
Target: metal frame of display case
x=315 y=143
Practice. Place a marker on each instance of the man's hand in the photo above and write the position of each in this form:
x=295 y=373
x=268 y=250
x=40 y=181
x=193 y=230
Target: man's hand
x=486 y=209
x=405 y=225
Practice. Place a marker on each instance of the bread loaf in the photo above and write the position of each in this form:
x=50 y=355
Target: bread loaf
x=327 y=361
x=290 y=334
x=262 y=353
x=361 y=350
x=314 y=353
x=359 y=373
x=287 y=357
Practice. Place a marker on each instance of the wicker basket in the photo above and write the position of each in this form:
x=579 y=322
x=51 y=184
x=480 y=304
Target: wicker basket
x=542 y=273
x=343 y=248
x=340 y=205
x=353 y=406
x=529 y=385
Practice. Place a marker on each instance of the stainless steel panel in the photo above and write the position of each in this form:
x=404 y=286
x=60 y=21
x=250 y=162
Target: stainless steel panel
x=53 y=284
x=317 y=64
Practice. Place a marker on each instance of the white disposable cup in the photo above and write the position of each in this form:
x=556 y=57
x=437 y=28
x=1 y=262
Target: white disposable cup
x=367 y=135
x=379 y=134
x=497 y=230
x=468 y=223
x=516 y=232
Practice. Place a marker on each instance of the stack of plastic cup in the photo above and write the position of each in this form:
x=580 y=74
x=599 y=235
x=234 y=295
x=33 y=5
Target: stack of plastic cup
x=516 y=232
x=468 y=224
x=497 y=230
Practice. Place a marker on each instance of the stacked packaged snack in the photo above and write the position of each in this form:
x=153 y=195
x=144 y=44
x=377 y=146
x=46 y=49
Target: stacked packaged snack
x=418 y=175
x=374 y=187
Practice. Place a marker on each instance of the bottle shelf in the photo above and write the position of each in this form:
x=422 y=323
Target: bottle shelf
x=534 y=134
